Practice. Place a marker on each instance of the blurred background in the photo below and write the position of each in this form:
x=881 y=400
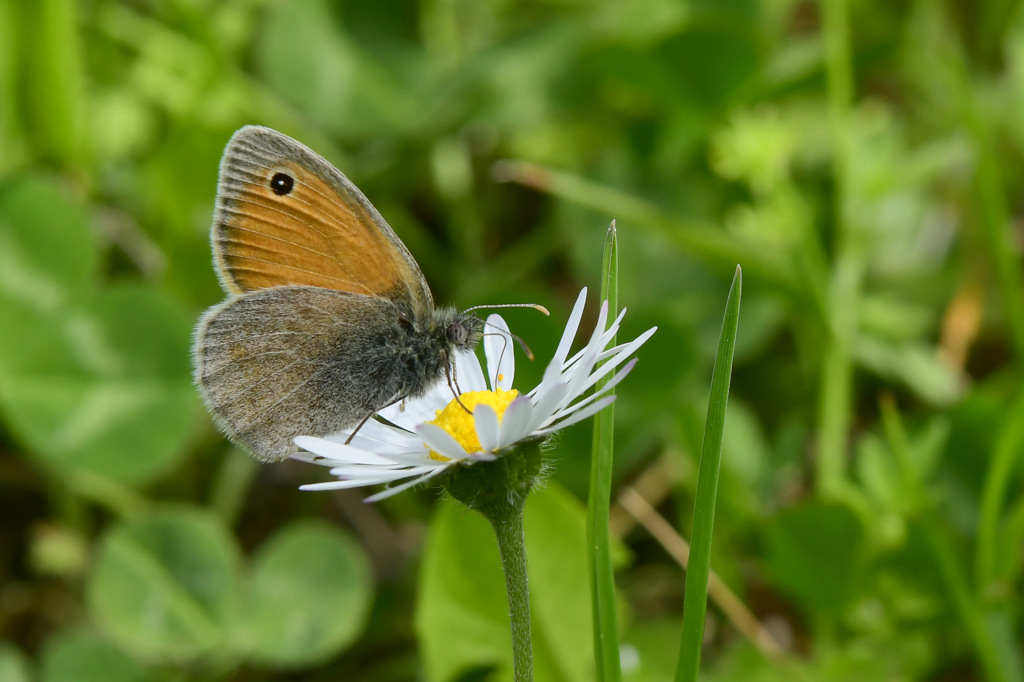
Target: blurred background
x=861 y=160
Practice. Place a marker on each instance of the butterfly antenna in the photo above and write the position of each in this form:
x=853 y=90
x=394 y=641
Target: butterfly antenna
x=503 y=332
x=519 y=340
x=535 y=306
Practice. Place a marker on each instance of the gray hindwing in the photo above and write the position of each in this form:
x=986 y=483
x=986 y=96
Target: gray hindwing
x=296 y=360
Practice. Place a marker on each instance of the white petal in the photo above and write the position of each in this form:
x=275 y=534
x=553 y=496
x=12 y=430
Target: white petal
x=608 y=366
x=487 y=428
x=405 y=486
x=440 y=441
x=343 y=483
x=571 y=327
x=619 y=348
x=339 y=451
x=552 y=377
x=515 y=423
x=597 y=340
x=413 y=459
x=378 y=437
x=364 y=482
x=594 y=346
x=468 y=373
x=499 y=349
x=377 y=474
x=600 y=342
x=406 y=414
x=594 y=396
x=582 y=376
x=546 y=404
x=331 y=485
x=577 y=378
x=579 y=416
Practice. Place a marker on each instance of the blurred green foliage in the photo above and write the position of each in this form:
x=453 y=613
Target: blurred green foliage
x=861 y=160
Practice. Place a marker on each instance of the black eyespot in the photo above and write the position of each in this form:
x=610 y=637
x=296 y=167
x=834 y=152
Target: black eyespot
x=282 y=184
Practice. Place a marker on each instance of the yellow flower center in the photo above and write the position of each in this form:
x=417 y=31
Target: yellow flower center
x=459 y=423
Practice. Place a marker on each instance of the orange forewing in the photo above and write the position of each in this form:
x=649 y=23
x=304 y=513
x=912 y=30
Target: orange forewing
x=309 y=237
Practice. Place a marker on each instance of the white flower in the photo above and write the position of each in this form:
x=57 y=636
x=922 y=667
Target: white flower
x=412 y=448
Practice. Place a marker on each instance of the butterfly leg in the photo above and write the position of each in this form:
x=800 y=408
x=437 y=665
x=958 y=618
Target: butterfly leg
x=356 y=430
x=453 y=378
x=397 y=398
x=453 y=384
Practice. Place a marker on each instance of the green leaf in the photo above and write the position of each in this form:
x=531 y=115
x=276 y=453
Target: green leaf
x=308 y=596
x=319 y=79
x=333 y=81
x=815 y=553
x=917 y=366
x=165 y=586
x=99 y=383
x=48 y=255
x=649 y=650
x=104 y=388
x=83 y=657
x=12 y=664
x=462 y=618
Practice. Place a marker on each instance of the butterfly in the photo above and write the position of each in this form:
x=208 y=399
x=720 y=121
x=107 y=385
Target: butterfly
x=328 y=317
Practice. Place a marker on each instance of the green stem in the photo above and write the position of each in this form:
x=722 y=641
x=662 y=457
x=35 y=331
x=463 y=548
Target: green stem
x=498 y=490
x=231 y=485
x=837 y=368
x=602 y=575
x=507 y=521
x=991 y=547
x=114 y=496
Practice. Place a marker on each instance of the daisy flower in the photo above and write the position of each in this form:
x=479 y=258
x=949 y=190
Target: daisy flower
x=423 y=438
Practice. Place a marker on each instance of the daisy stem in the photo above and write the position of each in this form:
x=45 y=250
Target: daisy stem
x=507 y=520
x=498 y=490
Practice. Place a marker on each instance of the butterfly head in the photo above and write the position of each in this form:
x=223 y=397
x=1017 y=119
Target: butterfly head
x=462 y=331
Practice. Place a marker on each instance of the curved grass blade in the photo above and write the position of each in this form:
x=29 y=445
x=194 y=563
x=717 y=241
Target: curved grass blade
x=695 y=604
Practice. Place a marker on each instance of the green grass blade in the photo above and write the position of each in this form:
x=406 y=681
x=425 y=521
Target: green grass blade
x=602 y=578
x=695 y=603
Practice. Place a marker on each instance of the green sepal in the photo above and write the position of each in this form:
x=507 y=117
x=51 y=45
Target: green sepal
x=485 y=486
